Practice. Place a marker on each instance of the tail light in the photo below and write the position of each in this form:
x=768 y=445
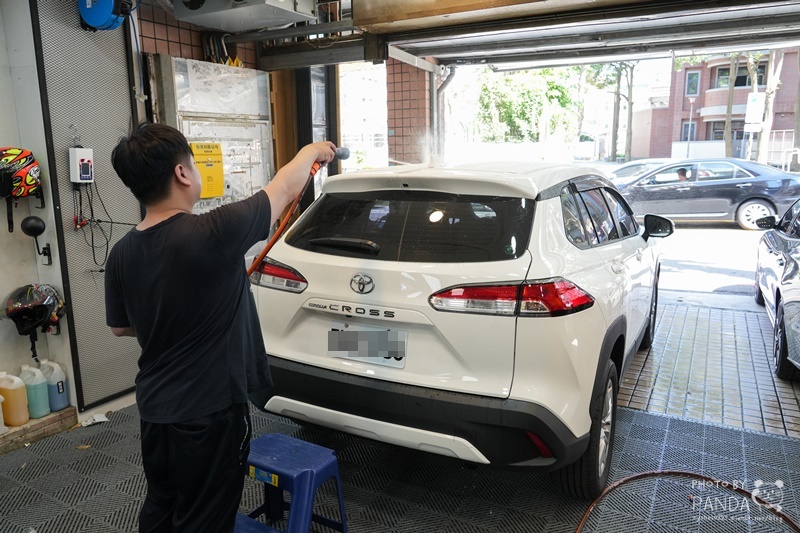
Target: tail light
x=550 y=297
x=544 y=451
x=275 y=275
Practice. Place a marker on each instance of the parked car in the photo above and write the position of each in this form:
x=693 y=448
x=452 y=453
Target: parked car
x=777 y=286
x=626 y=172
x=484 y=312
x=724 y=189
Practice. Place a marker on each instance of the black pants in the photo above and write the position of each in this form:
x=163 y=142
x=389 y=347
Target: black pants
x=195 y=472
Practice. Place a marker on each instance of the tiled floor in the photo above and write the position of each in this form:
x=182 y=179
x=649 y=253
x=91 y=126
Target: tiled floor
x=713 y=364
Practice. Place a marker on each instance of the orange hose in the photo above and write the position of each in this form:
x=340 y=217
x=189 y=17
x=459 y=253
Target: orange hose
x=314 y=169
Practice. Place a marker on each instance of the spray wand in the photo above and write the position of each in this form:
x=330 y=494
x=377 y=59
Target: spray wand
x=341 y=153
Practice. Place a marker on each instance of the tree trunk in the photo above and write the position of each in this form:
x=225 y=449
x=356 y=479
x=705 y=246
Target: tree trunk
x=615 y=121
x=796 y=160
x=774 y=68
x=752 y=69
x=580 y=106
x=733 y=70
x=629 y=131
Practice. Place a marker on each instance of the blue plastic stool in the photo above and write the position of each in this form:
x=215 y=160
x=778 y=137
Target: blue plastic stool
x=299 y=467
x=245 y=524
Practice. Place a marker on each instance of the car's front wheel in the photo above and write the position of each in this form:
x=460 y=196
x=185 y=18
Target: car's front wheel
x=783 y=368
x=587 y=477
x=758 y=296
x=749 y=212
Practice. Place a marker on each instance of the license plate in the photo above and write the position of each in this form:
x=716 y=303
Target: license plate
x=368 y=344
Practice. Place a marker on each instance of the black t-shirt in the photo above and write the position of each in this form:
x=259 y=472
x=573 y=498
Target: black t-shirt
x=182 y=284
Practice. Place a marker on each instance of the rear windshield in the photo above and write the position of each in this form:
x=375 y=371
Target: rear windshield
x=416 y=226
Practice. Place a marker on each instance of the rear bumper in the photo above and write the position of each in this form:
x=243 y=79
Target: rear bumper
x=495 y=427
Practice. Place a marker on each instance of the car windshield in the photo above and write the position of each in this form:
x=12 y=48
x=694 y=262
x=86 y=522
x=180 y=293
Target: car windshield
x=417 y=226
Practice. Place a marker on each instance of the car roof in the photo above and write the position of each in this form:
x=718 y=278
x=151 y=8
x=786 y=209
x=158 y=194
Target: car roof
x=503 y=178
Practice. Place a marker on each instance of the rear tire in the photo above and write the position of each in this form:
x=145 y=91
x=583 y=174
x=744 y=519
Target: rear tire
x=586 y=478
x=752 y=210
x=781 y=365
x=650 y=332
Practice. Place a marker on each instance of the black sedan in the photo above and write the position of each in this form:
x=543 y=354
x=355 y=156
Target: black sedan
x=777 y=286
x=724 y=189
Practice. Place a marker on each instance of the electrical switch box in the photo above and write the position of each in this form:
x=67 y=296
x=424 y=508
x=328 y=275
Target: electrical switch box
x=81 y=168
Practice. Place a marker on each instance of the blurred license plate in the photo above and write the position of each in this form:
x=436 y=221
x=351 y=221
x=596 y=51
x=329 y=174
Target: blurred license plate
x=369 y=344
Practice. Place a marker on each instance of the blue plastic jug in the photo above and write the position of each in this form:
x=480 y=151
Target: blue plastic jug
x=36 y=387
x=56 y=385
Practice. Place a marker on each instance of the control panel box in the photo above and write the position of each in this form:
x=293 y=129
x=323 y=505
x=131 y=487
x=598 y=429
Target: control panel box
x=81 y=168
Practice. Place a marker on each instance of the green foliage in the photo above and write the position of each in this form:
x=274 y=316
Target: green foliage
x=521 y=106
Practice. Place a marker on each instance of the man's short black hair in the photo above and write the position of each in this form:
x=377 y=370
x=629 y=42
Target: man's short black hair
x=681 y=170
x=145 y=159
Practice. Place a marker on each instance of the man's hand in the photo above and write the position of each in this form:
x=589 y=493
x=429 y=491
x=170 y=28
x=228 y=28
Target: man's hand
x=123 y=332
x=288 y=183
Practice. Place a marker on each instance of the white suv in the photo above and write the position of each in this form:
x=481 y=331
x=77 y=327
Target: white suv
x=483 y=312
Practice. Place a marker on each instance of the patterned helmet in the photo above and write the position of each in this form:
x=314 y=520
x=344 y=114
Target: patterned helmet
x=19 y=173
x=32 y=306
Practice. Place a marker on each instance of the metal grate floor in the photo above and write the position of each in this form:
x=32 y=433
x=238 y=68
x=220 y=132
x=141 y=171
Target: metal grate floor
x=91 y=480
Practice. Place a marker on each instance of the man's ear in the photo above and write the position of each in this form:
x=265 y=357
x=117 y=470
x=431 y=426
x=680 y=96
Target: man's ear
x=181 y=174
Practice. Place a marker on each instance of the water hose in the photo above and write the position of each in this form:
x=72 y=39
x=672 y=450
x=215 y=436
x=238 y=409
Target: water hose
x=341 y=153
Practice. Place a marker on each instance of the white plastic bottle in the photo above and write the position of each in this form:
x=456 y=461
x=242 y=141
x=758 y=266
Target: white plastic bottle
x=56 y=385
x=36 y=387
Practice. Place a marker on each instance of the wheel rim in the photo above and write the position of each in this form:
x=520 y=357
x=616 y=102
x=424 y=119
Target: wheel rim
x=605 y=429
x=753 y=212
x=777 y=345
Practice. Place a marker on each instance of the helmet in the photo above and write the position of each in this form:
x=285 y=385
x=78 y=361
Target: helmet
x=33 y=306
x=19 y=173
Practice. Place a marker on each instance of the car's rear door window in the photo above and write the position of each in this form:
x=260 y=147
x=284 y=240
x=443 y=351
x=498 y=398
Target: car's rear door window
x=600 y=214
x=417 y=226
x=622 y=212
x=573 y=225
x=718 y=171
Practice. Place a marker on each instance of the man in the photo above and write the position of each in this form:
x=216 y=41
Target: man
x=681 y=174
x=178 y=283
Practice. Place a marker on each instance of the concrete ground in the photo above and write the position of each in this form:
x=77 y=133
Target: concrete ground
x=711 y=358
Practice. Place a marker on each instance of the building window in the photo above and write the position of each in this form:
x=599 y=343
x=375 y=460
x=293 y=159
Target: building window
x=742 y=77
x=688 y=134
x=718 y=130
x=692 y=83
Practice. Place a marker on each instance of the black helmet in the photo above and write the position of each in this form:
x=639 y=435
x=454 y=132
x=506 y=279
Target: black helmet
x=32 y=306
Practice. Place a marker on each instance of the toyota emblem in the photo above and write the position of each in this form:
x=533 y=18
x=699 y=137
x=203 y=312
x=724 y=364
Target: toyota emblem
x=362 y=283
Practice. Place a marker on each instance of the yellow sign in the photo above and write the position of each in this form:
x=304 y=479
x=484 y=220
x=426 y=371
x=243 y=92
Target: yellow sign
x=208 y=158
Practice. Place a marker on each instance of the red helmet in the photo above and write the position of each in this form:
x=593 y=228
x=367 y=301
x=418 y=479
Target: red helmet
x=19 y=177
x=19 y=173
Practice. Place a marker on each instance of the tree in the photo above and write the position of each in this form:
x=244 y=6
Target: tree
x=732 y=70
x=774 y=68
x=604 y=75
x=752 y=69
x=629 y=67
x=528 y=105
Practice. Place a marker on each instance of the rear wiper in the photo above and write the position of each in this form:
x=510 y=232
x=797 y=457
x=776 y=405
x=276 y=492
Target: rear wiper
x=347 y=242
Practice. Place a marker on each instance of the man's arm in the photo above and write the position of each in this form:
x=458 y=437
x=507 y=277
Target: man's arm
x=124 y=332
x=289 y=181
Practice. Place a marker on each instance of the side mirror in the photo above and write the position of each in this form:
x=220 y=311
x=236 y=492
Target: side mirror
x=33 y=227
x=657 y=226
x=767 y=222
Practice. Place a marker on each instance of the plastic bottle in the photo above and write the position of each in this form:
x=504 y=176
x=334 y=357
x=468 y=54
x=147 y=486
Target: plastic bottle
x=36 y=385
x=3 y=428
x=15 y=408
x=56 y=385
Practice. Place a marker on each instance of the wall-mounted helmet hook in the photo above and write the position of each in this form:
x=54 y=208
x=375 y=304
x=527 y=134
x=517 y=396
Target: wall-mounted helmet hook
x=34 y=226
